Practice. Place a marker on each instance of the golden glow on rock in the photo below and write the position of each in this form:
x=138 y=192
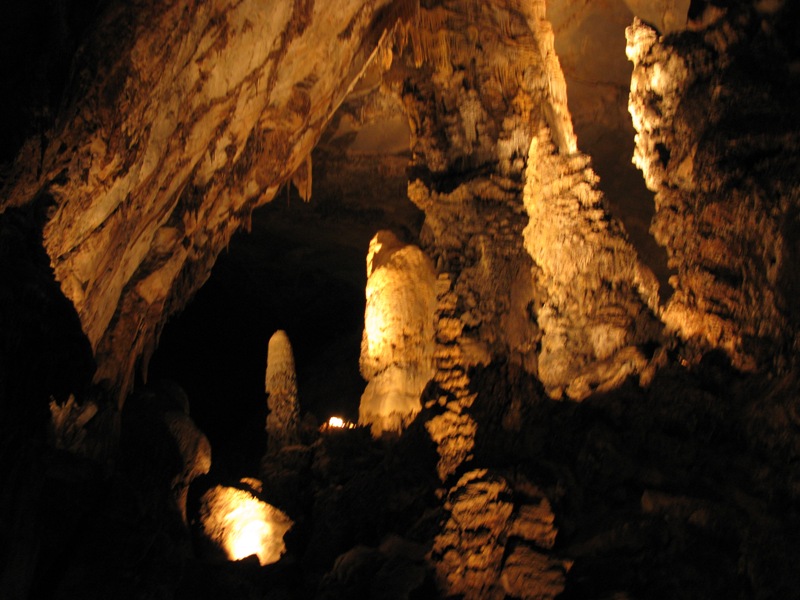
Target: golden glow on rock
x=397 y=345
x=249 y=533
x=242 y=525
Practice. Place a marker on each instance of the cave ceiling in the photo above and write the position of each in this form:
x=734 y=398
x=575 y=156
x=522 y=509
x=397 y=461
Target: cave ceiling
x=150 y=175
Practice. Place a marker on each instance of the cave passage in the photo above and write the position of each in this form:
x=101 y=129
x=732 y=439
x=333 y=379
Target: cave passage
x=301 y=268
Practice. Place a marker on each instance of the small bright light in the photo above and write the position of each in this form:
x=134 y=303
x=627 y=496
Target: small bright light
x=336 y=422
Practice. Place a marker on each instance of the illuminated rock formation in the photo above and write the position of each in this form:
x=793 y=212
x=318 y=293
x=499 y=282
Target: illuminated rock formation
x=242 y=524
x=600 y=302
x=281 y=386
x=183 y=119
x=397 y=345
x=492 y=547
x=719 y=143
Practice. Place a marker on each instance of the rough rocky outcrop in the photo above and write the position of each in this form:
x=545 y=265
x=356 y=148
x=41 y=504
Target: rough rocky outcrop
x=494 y=547
x=180 y=120
x=504 y=217
x=398 y=342
x=717 y=140
x=599 y=301
x=242 y=524
x=283 y=420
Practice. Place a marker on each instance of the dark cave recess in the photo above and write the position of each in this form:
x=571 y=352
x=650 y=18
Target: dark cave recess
x=300 y=268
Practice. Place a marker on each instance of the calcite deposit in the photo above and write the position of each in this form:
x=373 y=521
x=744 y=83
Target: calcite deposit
x=181 y=119
x=717 y=143
x=281 y=386
x=566 y=418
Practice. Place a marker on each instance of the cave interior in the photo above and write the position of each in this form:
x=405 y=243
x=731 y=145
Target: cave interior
x=442 y=299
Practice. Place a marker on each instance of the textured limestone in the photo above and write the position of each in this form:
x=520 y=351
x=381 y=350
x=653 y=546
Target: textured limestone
x=492 y=545
x=718 y=142
x=398 y=342
x=599 y=302
x=280 y=384
x=181 y=119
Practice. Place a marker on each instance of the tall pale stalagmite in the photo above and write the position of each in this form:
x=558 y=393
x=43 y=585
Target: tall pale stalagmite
x=281 y=385
x=398 y=342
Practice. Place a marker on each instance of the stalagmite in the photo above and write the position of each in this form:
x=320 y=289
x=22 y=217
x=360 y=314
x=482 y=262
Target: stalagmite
x=397 y=345
x=281 y=385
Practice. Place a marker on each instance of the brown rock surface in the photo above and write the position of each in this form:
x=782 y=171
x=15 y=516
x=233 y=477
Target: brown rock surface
x=718 y=143
x=492 y=545
x=183 y=119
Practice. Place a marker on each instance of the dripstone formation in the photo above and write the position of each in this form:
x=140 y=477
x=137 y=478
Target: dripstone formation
x=566 y=416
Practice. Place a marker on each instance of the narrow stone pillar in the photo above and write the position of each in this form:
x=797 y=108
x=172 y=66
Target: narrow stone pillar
x=281 y=386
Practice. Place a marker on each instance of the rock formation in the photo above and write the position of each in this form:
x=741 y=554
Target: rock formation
x=283 y=419
x=491 y=547
x=717 y=140
x=531 y=267
x=670 y=467
x=180 y=120
x=195 y=452
x=599 y=302
x=397 y=345
x=242 y=524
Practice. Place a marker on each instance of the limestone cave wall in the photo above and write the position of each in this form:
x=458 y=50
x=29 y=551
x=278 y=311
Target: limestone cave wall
x=717 y=141
x=179 y=120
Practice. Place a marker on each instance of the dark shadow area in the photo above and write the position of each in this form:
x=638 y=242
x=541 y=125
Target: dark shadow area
x=301 y=268
x=680 y=490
